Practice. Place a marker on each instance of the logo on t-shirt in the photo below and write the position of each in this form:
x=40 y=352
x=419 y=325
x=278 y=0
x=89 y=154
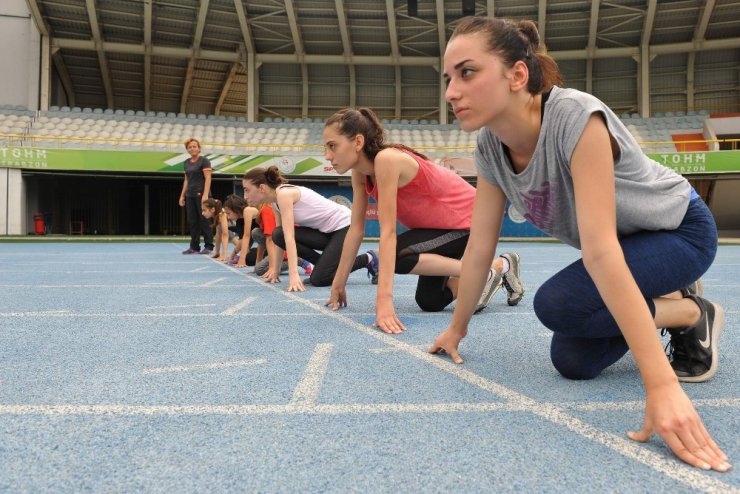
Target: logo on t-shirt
x=515 y=215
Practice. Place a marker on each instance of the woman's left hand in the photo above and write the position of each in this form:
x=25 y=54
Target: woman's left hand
x=295 y=284
x=669 y=412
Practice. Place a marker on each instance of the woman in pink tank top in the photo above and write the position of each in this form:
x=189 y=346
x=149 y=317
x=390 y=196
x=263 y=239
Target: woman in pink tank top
x=433 y=202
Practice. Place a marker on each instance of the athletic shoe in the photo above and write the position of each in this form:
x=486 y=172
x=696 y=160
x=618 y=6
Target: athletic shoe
x=512 y=283
x=494 y=282
x=693 y=350
x=373 y=266
x=206 y=252
x=190 y=251
x=696 y=288
x=308 y=269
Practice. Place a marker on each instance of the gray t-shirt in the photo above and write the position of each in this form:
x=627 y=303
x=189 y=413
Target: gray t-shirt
x=649 y=196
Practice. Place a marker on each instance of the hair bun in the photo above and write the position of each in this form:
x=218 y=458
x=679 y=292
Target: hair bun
x=529 y=30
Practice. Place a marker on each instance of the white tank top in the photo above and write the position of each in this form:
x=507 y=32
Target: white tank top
x=315 y=211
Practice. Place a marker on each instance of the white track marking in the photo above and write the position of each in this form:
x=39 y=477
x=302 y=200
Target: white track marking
x=178 y=306
x=307 y=391
x=234 y=309
x=291 y=409
x=211 y=283
x=216 y=365
x=421 y=346
x=640 y=405
x=155 y=314
x=671 y=467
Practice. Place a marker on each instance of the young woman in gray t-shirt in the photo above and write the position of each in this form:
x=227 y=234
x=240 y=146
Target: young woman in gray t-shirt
x=571 y=168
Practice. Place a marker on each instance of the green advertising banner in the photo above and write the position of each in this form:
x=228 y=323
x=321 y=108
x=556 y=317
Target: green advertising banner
x=700 y=161
x=147 y=161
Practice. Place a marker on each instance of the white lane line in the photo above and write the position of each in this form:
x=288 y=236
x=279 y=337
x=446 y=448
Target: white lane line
x=234 y=309
x=421 y=346
x=291 y=409
x=124 y=285
x=177 y=306
x=211 y=283
x=669 y=466
x=639 y=405
x=155 y=314
x=199 y=269
x=309 y=387
x=217 y=365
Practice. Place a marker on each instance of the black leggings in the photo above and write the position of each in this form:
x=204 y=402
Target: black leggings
x=309 y=242
x=198 y=224
x=432 y=294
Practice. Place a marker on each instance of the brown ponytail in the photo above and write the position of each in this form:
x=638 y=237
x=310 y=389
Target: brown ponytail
x=363 y=121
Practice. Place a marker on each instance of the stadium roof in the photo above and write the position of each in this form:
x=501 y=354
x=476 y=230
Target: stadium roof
x=309 y=57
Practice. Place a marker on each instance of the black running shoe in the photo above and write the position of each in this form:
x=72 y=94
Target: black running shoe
x=693 y=350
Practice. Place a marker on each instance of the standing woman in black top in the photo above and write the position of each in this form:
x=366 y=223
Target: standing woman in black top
x=196 y=188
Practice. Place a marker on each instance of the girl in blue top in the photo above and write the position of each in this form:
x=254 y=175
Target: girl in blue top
x=569 y=165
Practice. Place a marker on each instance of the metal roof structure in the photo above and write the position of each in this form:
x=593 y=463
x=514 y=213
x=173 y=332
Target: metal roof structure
x=307 y=58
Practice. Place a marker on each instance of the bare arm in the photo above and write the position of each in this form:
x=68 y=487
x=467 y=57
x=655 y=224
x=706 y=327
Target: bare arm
x=286 y=197
x=207 y=184
x=488 y=214
x=387 y=176
x=274 y=255
x=224 y=224
x=181 y=202
x=351 y=245
x=248 y=214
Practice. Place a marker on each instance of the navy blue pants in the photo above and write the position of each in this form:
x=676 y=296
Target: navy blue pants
x=586 y=338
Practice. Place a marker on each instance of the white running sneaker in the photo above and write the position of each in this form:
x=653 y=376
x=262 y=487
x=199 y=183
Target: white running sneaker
x=495 y=280
x=514 y=287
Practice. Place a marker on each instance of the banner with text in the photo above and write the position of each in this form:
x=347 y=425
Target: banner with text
x=146 y=161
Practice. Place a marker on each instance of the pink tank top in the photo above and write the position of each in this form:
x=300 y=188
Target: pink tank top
x=435 y=198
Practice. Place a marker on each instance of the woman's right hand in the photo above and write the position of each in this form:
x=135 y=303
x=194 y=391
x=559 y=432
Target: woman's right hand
x=337 y=297
x=181 y=202
x=448 y=342
x=669 y=412
x=271 y=277
x=386 y=319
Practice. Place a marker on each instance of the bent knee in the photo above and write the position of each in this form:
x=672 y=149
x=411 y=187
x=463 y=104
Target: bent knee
x=551 y=309
x=320 y=280
x=429 y=305
x=574 y=371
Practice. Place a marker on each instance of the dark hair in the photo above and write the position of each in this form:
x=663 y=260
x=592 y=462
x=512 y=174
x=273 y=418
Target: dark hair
x=513 y=41
x=216 y=205
x=356 y=121
x=270 y=176
x=236 y=204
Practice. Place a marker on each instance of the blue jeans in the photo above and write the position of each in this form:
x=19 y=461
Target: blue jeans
x=586 y=338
